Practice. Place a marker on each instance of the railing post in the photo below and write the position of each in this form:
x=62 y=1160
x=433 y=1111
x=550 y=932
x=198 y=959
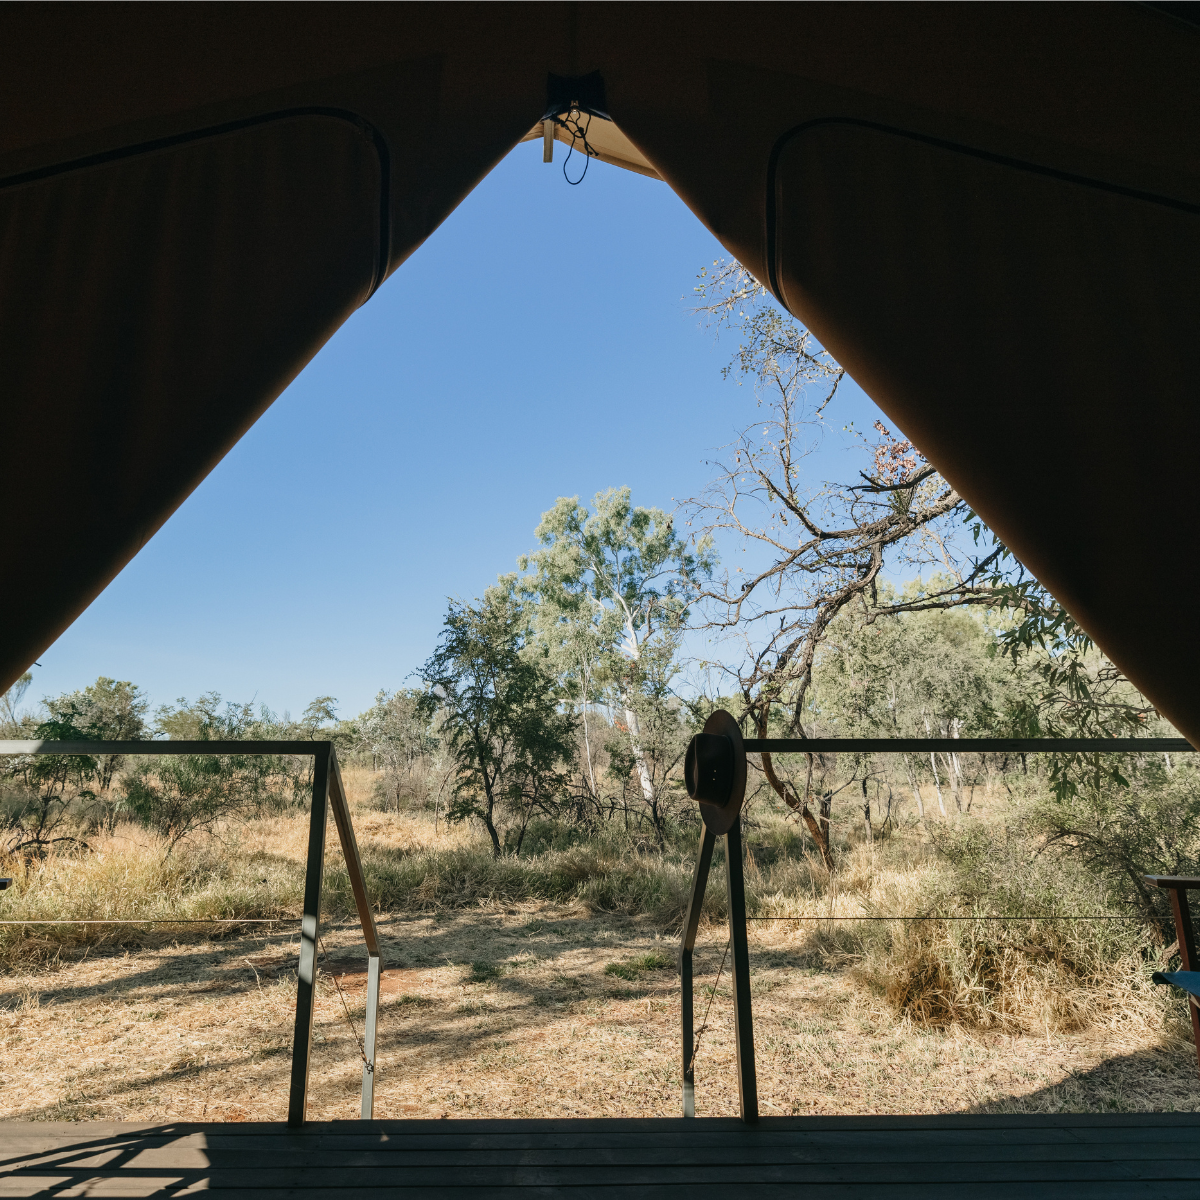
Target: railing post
x=691 y=923
x=743 y=1022
x=368 y=1079
x=358 y=886
x=306 y=978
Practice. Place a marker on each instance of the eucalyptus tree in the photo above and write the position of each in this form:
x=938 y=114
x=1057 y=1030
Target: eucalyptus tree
x=613 y=587
x=925 y=674
x=10 y=713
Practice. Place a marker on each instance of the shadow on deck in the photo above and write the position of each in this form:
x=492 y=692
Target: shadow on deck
x=1067 y=1157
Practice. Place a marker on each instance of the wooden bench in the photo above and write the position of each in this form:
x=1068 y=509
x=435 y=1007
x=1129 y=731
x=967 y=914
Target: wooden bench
x=1178 y=886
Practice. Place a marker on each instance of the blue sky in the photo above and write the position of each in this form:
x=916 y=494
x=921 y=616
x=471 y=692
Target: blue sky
x=539 y=345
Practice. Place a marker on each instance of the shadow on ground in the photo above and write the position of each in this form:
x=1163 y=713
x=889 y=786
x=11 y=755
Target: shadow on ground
x=1161 y=1079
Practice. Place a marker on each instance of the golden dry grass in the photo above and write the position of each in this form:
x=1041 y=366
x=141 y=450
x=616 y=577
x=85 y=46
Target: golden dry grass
x=513 y=1014
x=511 y=1009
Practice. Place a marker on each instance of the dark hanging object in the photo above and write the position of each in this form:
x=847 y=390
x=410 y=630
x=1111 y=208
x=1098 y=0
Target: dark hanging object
x=583 y=92
x=708 y=769
x=714 y=771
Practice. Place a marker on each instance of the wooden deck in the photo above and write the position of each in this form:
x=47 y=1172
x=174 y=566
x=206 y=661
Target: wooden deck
x=1064 y=1157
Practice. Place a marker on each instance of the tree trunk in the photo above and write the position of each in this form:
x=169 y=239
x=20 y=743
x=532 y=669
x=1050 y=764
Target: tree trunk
x=521 y=835
x=867 y=813
x=789 y=797
x=937 y=786
x=491 y=828
x=912 y=783
x=587 y=748
x=955 y=782
x=639 y=756
x=487 y=815
x=826 y=814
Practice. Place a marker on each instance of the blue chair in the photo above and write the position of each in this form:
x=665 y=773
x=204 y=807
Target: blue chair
x=1187 y=978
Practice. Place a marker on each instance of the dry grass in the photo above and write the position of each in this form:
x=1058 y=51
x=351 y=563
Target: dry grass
x=532 y=1007
x=518 y=1013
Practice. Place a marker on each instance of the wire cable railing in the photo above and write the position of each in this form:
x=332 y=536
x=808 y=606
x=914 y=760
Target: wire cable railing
x=715 y=770
x=328 y=793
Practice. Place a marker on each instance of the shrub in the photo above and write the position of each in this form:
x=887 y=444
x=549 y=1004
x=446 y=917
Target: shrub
x=176 y=795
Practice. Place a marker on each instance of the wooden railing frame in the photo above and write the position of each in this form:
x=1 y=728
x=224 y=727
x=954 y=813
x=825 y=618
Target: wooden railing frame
x=327 y=792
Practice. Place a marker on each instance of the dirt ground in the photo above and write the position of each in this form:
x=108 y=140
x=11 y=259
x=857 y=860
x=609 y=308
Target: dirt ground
x=537 y=1012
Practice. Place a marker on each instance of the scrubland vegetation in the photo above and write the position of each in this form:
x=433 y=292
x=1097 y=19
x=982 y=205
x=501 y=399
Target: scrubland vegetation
x=534 y=765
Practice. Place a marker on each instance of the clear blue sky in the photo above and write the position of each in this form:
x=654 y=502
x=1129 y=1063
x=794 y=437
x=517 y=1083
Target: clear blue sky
x=538 y=345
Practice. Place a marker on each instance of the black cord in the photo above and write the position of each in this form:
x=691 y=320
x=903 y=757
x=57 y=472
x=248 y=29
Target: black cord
x=1017 y=917
x=362 y=1050
x=578 y=133
x=704 y=1022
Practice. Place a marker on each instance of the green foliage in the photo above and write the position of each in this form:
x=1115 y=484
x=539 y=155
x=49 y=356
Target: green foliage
x=915 y=675
x=44 y=794
x=107 y=710
x=176 y=795
x=209 y=719
x=39 y=791
x=317 y=715
x=612 y=589
x=395 y=738
x=10 y=720
x=494 y=699
x=614 y=582
x=1071 y=688
x=1150 y=825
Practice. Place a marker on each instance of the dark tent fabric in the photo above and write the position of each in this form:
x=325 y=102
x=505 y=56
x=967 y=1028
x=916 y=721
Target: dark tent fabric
x=988 y=213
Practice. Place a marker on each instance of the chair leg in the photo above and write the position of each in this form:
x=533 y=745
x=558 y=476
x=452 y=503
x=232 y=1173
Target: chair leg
x=1187 y=952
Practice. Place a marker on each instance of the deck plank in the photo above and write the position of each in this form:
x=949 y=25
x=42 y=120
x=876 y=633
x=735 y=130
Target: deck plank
x=811 y=1152
x=1096 y=1157
x=995 y=1191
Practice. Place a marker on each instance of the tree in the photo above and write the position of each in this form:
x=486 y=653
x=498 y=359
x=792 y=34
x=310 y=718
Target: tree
x=1148 y=825
x=10 y=719
x=47 y=787
x=926 y=674
x=817 y=546
x=42 y=788
x=612 y=588
x=1072 y=688
x=487 y=685
x=178 y=795
x=107 y=710
x=396 y=736
x=318 y=713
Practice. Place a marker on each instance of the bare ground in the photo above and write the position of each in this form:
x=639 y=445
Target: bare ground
x=512 y=1013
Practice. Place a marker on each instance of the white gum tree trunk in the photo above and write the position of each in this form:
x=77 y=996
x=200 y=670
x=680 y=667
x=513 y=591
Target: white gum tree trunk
x=633 y=649
x=916 y=791
x=639 y=755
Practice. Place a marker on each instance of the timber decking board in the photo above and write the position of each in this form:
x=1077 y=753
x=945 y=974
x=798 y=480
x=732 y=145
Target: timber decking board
x=819 y=1158
x=194 y=1156
x=174 y=1186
